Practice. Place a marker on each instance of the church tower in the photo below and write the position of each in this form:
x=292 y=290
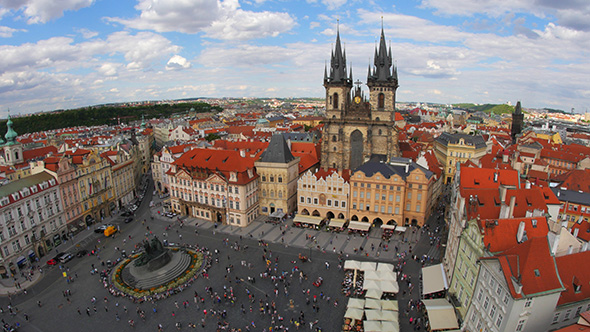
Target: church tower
x=517 y=121
x=13 y=149
x=357 y=129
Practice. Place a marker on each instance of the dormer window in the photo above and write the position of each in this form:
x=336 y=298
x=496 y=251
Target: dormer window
x=577 y=285
x=534 y=221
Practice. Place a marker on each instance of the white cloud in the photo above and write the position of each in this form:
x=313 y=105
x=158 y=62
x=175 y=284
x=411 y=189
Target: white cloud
x=86 y=33
x=42 y=11
x=7 y=32
x=177 y=62
x=221 y=20
x=333 y=4
x=237 y=24
x=109 y=69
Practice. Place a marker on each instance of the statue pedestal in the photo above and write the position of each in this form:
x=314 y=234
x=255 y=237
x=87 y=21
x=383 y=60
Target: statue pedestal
x=158 y=271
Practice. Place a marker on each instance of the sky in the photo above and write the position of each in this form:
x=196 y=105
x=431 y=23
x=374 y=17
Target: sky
x=75 y=53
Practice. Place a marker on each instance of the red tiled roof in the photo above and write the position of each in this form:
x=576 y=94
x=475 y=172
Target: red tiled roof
x=223 y=161
x=472 y=177
x=583 y=228
x=398 y=117
x=532 y=263
x=39 y=152
x=568 y=267
x=575 y=179
x=500 y=234
x=488 y=203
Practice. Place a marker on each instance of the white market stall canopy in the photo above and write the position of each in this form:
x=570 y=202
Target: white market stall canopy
x=354 y=313
x=441 y=314
x=389 y=305
x=434 y=279
x=356 y=303
x=389 y=286
x=312 y=220
x=368 y=266
x=371 y=284
x=352 y=265
x=372 y=275
x=372 y=304
x=390 y=326
x=335 y=222
x=385 y=267
x=359 y=225
x=372 y=326
x=373 y=294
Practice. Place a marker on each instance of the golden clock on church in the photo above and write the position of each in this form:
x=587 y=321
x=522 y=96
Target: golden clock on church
x=357 y=99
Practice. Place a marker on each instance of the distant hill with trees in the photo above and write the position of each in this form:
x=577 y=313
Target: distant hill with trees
x=487 y=108
x=101 y=115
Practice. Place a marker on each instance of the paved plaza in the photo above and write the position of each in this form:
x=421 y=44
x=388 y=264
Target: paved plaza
x=287 y=299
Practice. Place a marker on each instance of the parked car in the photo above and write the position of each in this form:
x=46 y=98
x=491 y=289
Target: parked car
x=52 y=261
x=65 y=257
x=127 y=214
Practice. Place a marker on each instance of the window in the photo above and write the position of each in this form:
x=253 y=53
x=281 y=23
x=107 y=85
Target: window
x=397 y=198
x=486 y=303
x=362 y=194
x=418 y=208
x=389 y=209
x=280 y=179
x=302 y=199
x=528 y=303
x=409 y=195
x=315 y=201
x=555 y=318
x=354 y=206
x=329 y=202
x=506 y=299
x=368 y=195
x=397 y=210
x=520 y=325
x=336 y=203
x=354 y=194
x=408 y=207
x=376 y=208
x=493 y=311
x=391 y=198
x=362 y=206
x=499 y=320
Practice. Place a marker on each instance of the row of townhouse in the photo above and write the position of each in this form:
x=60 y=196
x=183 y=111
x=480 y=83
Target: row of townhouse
x=504 y=248
x=67 y=190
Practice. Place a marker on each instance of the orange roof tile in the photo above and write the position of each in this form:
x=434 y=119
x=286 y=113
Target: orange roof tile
x=39 y=152
x=532 y=264
x=583 y=228
x=472 y=177
x=568 y=267
x=500 y=234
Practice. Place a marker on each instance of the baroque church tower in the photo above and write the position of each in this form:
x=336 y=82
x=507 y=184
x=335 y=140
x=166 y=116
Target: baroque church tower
x=358 y=129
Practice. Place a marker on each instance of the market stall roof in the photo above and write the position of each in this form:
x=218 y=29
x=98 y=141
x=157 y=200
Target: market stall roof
x=390 y=326
x=372 y=326
x=335 y=222
x=374 y=294
x=441 y=314
x=373 y=314
x=387 y=275
x=372 y=275
x=359 y=225
x=389 y=286
x=368 y=266
x=385 y=267
x=352 y=265
x=434 y=279
x=354 y=313
x=356 y=303
x=312 y=220
x=388 y=315
x=372 y=304
x=389 y=305
x=385 y=226
x=371 y=284
x=401 y=229
x=277 y=214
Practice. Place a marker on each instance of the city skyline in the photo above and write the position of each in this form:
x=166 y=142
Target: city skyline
x=82 y=52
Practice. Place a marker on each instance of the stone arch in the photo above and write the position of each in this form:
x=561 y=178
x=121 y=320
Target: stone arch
x=330 y=215
x=414 y=222
x=377 y=119
x=334 y=139
x=340 y=216
x=377 y=222
x=365 y=219
x=356 y=149
x=335 y=101
x=315 y=213
x=305 y=212
x=354 y=218
x=392 y=222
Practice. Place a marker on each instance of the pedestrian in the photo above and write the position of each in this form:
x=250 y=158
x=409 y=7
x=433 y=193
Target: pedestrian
x=88 y=311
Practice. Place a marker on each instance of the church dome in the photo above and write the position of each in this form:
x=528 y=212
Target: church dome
x=10 y=133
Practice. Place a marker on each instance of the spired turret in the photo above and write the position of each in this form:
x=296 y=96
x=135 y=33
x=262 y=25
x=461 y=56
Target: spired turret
x=382 y=82
x=337 y=83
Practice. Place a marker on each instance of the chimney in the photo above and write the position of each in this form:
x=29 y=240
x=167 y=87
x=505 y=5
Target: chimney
x=520 y=232
x=576 y=230
x=584 y=246
x=528 y=184
x=407 y=167
x=503 y=191
x=505 y=158
x=512 y=203
x=495 y=177
x=570 y=249
x=242 y=153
